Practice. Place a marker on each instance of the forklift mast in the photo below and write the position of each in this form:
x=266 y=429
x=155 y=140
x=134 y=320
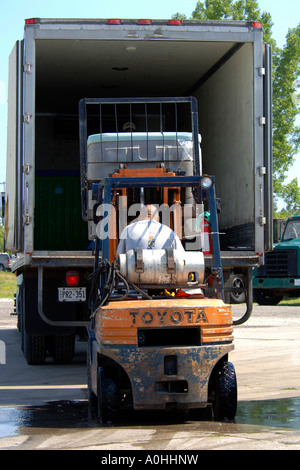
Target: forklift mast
x=171 y=123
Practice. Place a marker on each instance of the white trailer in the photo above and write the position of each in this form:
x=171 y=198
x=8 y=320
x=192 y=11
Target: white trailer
x=223 y=64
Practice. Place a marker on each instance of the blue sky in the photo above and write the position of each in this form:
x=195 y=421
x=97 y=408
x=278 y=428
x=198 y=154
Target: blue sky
x=285 y=14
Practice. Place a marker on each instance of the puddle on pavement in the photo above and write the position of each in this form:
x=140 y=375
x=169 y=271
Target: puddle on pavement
x=8 y=424
x=281 y=413
x=62 y=414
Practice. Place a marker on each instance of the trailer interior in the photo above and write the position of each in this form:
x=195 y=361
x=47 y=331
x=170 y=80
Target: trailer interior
x=218 y=74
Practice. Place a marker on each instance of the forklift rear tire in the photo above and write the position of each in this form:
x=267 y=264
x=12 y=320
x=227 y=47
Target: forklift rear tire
x=224 y=402
x=108 y=399
x=92 y=398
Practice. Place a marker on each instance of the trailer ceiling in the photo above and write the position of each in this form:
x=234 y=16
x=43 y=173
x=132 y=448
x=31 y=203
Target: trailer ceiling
x=68 y=70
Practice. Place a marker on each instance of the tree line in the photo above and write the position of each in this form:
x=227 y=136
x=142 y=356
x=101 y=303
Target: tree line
x=286 y=98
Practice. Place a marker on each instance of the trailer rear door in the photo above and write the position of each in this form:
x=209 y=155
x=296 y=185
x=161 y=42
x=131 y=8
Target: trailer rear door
x=13 y=197
x=268 y=190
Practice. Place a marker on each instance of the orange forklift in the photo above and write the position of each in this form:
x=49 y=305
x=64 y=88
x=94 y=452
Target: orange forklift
x=160 y=333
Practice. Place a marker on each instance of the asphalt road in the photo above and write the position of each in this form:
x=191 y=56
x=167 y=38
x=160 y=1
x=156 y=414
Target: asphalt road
x=45 y=407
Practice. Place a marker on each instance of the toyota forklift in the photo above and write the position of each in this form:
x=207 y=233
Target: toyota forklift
x=160 y=333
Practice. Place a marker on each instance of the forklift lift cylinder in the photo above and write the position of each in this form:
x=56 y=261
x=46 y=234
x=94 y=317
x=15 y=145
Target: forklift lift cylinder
x=163 y=267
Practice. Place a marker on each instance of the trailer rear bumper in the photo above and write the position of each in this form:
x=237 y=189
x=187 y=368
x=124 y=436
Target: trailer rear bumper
x=163 y=377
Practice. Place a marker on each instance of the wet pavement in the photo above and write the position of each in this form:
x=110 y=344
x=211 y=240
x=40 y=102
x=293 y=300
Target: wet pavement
x=65 y=426
x=281 y=413
x=45 y=407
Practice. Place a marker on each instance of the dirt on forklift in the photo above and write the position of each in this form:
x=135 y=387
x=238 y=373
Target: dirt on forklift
x=160 y=332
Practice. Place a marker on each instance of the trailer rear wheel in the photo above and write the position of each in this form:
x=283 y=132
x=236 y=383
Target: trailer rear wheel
x=224 y=392
x=108 y=398
x=34 y=348
x=61 y=348
x=238 y=281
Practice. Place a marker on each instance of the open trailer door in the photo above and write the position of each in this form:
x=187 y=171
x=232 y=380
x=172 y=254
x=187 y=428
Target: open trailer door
x=13 y=197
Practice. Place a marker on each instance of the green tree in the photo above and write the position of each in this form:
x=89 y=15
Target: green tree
x=291 y=199
x=286 y=70
x=286 y=135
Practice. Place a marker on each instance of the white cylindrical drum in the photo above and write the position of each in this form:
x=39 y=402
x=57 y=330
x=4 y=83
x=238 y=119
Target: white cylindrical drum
x=182 y=268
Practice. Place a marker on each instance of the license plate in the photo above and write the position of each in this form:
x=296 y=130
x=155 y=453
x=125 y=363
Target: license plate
x=72 y=294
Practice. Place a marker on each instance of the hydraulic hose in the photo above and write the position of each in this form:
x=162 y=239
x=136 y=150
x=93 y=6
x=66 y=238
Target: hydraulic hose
x=100 y=296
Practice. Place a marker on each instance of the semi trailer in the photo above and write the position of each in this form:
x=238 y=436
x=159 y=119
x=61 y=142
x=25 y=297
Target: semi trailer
x=223 y=65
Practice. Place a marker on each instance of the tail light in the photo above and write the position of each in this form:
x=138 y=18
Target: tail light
x=72 y=278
